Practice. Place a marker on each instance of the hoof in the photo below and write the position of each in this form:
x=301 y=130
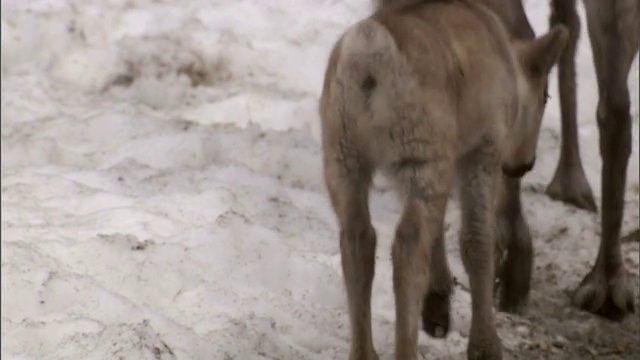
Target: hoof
x=435 y=313
x=514 y=271
x=476 y=354
x=484 y=348
x=609 y=298
x=363 y=355
x=633 y=236
x=516 y=304
x=570 y=186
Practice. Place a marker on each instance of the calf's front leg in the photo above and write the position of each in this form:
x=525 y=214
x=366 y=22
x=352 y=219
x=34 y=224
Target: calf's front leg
x=426 y=189
x=514 y=239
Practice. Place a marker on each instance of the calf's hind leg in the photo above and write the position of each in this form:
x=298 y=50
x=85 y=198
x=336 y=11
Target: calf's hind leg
x=436 y=313
x=426 y=188
x=348 y=190
x=478 y=173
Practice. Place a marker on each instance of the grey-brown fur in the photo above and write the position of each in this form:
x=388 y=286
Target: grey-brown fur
x=614 y=30
x=427 y=92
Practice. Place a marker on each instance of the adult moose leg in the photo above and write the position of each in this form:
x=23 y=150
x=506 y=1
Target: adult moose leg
x=478 y=174
x=569 y=183
x=614 y=32
x=348 y=180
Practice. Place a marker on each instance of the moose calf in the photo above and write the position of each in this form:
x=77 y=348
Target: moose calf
x=426 y=92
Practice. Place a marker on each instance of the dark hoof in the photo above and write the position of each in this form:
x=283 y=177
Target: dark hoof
x=515 y=269
x=474 y=354
x=479 y=355
x=612 y=311
x=633 y=236
x=435 y=314
x=363 y=353
x=485 y=348
x=513 y=305
x=611 y=299
x=515 y=283
x=570 y=186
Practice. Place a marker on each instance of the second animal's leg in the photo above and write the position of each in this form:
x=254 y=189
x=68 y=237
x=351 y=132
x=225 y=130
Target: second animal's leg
x=514 y=271
x=426 y=188
x=348 y=187
x=569 y=183
x=613 y=29
x=478 y=175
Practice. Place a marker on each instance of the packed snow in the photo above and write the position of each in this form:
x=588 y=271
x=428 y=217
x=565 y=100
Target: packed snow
x=162 y=191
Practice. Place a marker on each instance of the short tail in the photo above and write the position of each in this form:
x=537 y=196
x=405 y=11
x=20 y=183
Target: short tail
x=369 y=61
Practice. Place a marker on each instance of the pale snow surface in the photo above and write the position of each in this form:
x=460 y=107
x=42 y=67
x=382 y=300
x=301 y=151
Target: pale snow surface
x=162 y=192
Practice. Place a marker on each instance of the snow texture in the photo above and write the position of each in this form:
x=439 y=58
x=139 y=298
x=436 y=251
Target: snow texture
x=162 y=192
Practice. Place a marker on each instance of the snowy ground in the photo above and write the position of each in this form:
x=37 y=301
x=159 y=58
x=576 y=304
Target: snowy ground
x=162 y=193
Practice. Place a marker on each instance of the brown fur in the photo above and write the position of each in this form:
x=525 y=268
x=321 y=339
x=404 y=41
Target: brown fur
x=424 y=92
x=614 y=30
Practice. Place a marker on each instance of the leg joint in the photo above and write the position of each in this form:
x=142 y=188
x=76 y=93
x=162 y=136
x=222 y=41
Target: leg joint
x=564 y=12
x=407 y=234
x=617 y=103
x=614 y=122
x=357 y=233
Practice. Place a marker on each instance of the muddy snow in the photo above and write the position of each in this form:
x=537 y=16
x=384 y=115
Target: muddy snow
x=162 y=193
